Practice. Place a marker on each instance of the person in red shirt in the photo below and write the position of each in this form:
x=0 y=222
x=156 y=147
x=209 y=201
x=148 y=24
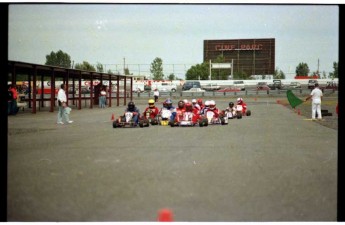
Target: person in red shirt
x=194 y=111
x=13 y=108
x=180 y=110
x=152 y=111
x=243 y=104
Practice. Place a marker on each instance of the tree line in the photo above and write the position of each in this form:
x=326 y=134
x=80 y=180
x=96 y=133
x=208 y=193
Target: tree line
x=195 y=72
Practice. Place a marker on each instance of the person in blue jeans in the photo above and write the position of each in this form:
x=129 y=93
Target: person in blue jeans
x=62 y=101
x=102 y=97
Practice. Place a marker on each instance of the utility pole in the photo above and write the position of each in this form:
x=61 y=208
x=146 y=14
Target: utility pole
x=318 y=65
x=210 y=70
x=124 y=66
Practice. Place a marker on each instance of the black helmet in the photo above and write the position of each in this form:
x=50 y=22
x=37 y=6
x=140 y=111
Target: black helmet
x=231 y=104
x=131 y=105
x=180 y=104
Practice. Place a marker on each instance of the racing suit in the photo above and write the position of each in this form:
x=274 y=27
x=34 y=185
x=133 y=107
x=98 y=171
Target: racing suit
x=136 y=113
x=244 y=107
x=232 y=110
x=172 y=109
x=179 y=113
x=215 y=110
x=151 y=112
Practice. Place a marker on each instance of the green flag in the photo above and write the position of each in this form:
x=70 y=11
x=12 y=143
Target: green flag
x=293 y=100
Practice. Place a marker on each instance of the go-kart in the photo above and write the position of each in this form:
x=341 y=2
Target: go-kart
x=126 y=121
x=147 y=120
x=186 y=120
x=212 y=119
x=239 y=112
x=230 y=114
x=164 y=117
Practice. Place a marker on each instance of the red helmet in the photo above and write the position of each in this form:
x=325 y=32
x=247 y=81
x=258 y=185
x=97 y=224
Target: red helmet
x=199 y=101
x=189 y=107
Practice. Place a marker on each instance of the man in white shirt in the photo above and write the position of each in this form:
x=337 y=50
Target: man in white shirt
x=62 y=101
x=156 y=94
x=316 y=96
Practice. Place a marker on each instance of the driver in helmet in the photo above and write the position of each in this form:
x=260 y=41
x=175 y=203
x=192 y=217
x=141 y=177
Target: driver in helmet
x=212 y=107
x=167 y=105
x=231 y=110
x=133 y=109
x=205 y=107
x=194 y=111
x=243 y=104
x=180 y=109
x=151 y=111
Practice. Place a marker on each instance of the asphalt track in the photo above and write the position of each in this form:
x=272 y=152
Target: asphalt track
x=272 y=166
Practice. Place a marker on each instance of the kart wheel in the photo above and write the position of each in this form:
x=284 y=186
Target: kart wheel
x=205 y=122
x=239 y=115
x=141 y=124
x=248 y=113
x=115 y=124
x=222 y=121
x=172 y=124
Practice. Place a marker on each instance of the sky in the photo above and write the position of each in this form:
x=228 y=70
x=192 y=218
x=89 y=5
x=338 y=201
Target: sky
x=135 y=34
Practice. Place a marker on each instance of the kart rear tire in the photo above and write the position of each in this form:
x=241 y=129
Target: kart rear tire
x=239 y=115
x=141 y=124
x=248 y=113
x=115 y=124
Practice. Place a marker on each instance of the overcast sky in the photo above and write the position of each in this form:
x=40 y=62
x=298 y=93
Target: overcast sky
x=175 y=33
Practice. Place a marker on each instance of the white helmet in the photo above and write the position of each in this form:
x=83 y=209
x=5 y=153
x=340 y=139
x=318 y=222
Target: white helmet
x=212 y=104
x=239 y=100
x=207 y=103
x=185 y=101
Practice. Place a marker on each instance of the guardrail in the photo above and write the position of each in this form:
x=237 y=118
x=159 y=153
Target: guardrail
x=277 y=92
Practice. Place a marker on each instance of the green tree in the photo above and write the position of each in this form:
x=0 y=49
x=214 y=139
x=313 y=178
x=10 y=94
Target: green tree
x=334 y=74
x=58 y=59
x=278 y=74
x=199 y=71
x=241 y=75
x=127 y=71
x=85 y=66
x=302 y=69
x=171 y=77
x=110 y=72
x=99 y=67
x=157 y=69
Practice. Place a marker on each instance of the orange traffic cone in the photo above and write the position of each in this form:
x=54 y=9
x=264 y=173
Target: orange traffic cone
x=112 y=117
x=299 y=112
x=165 y=215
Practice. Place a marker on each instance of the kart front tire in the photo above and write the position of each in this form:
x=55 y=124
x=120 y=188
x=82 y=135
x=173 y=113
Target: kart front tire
x=248 y=113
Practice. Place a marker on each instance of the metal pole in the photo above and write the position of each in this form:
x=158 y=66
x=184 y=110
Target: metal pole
x=232 y=69
x=210 y=70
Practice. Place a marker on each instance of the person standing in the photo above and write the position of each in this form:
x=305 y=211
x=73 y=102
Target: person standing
x=102 y=97
x=13 y=106
x=316 y=96
x=62 y=101
x=156 y=94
